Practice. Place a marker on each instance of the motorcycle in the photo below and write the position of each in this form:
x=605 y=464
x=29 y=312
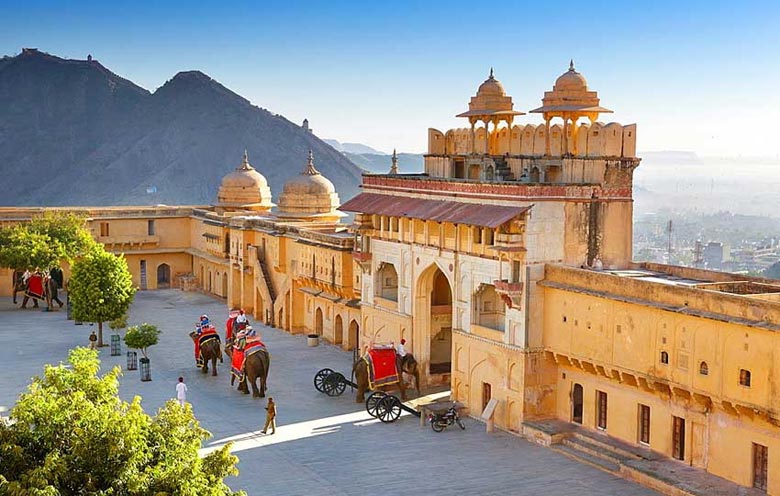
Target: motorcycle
x=440 y=421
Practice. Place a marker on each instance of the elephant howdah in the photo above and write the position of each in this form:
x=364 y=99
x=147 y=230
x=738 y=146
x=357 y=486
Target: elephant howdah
x=401 y=365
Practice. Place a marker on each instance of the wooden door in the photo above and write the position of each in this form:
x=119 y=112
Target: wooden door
x=486 y=395
x=644 y=424
x=601 y=409
x=678 y=438
x=760 y=466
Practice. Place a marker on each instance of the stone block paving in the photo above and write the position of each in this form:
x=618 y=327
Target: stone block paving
x=323 y=445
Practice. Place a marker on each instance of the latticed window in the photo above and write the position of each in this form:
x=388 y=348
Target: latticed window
x=704 y=369
x=664 y=357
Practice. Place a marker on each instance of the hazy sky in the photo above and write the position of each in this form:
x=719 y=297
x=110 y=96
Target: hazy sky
x=694 y=75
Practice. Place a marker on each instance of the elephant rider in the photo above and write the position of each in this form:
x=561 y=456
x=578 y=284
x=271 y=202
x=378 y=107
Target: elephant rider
x=199 y=328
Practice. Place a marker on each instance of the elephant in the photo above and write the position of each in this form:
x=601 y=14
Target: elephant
x=18 y=283
x=210 y=350
x=406 y=364
x=256 y=366
x=51 y=290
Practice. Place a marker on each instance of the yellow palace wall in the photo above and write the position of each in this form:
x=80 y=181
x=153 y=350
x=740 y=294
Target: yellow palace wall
x=616 y=347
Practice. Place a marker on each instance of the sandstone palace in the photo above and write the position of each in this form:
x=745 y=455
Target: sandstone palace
x=507 y=268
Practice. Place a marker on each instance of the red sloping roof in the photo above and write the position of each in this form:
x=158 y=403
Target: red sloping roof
x=473 y=214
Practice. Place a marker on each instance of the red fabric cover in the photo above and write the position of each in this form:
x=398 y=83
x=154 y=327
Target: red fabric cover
x=381 y=367
x=253 y=345
x=35 y=287
x=237 y=364
x=229 y=329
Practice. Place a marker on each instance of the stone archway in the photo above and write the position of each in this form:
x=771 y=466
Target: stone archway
x=163 y=276
x=576 y=404
x=338 y=330
x=353 y=335
x=318 y=322
x=433 y=323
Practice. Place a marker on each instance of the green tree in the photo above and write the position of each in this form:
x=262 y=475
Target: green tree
x=45 y=241
x=100 y=288
x=70 y=433
x=141 y=337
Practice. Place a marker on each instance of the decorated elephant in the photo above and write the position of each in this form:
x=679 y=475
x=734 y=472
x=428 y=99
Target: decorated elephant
x=405 y=365
x=210 y=349
x=250 y=368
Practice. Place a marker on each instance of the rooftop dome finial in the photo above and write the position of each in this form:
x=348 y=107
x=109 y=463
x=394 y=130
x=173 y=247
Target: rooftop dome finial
x=394 y=167
x=245 y=162
x=571 y=64
x=310 y=170
x=491 y=73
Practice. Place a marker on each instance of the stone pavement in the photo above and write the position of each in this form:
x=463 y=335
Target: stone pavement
x=323 y=445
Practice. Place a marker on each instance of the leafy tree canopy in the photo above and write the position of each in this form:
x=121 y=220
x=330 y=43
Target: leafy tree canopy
x=70 y=433
x=141 y=337
x=100 y=288
x=45 y=241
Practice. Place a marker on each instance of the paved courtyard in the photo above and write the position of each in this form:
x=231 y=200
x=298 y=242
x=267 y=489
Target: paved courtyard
x=323 y=446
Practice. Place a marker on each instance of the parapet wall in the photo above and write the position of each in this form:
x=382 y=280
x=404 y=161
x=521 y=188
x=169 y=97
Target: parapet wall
x=587 y=140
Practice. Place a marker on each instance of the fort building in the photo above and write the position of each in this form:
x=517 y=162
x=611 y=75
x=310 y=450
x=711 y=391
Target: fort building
x=507 y=267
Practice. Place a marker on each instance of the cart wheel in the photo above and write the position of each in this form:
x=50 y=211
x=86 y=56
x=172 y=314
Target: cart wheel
x=319 y=377
x=389 y=409
x=373 y=401
x=335 y=384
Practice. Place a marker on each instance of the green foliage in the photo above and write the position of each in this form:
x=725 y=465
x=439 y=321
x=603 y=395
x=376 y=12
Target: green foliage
x=70 y=433
x=142 y=336
x=101 y=287
x=118 y=323
x=45 y=241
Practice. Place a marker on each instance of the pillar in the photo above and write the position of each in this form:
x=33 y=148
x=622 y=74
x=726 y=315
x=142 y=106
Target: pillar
x=473 y=137
x=547 y=136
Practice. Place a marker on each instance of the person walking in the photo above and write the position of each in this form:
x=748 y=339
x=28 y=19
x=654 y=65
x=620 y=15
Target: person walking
x=181 y=391
x=270 y=417
x=93 y=341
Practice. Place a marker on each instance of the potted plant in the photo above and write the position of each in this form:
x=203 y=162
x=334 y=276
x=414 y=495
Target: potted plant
x=115 y=325
x=140 y=337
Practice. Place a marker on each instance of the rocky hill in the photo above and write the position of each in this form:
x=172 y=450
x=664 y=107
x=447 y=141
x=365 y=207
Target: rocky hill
x=74 y=133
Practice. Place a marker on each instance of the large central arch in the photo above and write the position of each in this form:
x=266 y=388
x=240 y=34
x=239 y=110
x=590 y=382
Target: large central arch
x=433 y=323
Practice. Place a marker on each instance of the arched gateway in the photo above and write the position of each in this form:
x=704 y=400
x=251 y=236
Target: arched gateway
x=433 y=323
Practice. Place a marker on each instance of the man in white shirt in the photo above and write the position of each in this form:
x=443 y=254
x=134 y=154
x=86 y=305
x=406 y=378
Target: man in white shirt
x=400 y=350
x=181 y=391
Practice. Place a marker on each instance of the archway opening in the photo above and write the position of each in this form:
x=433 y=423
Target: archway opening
x=338 y=330
x=576 y=404
x=440 y=324
x=318 y=322
x=490 y=310
x=387 y=282
x=163 y=276
x=354 y=335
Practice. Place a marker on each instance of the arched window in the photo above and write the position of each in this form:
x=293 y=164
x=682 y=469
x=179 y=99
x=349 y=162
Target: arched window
x=704 y=369
x=744 y=377
x=387 y=282
x=664 y=357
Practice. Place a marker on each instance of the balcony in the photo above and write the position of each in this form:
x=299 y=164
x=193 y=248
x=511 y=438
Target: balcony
x=510 y=292
x=362 y=256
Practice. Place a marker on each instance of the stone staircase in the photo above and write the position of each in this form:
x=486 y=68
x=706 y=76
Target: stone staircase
x=503 y=172
x=629 y=461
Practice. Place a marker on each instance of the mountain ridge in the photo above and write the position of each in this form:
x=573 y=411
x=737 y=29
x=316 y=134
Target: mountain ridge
x=72 y=132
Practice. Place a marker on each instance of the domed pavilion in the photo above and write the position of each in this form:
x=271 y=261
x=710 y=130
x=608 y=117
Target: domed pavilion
x=310 y=196
x=244 y=189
